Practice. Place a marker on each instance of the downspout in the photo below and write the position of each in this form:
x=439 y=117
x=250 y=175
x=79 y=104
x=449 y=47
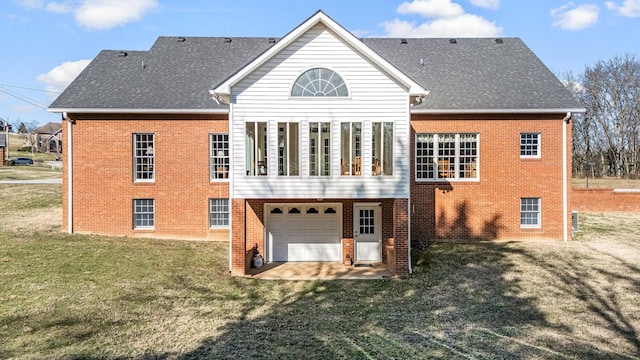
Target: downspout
x=69 y=167
x=565 y=197
x=230 y=172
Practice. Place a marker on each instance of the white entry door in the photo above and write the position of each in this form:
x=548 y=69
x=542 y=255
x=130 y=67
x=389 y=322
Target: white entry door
x=366 y=231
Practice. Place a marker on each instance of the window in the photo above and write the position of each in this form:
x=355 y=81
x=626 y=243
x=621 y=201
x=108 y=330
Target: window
x=530 y=145
x=219 y=153
x=319 y=82
x=256 y=148
x=351 y=148
x=143 y=214
x=382 y=144
x=319 y=149
x=218 y=213
x=288 y=136
x=451 y=157
x=530 y=212
x=143 y=157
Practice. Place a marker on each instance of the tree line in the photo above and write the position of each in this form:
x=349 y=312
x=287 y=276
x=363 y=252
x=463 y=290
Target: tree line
x=606 y=139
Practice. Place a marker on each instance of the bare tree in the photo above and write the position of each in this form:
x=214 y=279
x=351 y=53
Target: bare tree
x=606 y=138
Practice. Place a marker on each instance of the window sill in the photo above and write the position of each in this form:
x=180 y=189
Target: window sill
x=441 y=181
x=529 y=158
x=144 y=183
x=147 y=230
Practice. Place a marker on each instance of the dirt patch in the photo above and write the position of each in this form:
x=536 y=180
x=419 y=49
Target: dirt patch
x=33 y=221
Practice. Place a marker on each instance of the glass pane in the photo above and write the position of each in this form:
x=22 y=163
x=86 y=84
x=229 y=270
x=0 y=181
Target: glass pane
x=326 y=148
x=249 y=146
x=376 y=148
x=387 y=153
x=313 y=148
x=446 y=156
x=345 y=148
x=468 y=155
x=282 y=149
x=293 y=149
x=261 y=153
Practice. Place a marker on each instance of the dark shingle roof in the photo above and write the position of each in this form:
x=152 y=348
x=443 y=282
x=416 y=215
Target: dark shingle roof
x=173 y=74
x=177 y=74
x=482 y=73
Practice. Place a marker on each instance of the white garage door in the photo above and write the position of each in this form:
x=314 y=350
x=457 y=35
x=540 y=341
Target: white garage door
x=304 y=232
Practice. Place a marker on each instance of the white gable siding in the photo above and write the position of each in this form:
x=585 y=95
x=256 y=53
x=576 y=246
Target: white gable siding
x=264 y=96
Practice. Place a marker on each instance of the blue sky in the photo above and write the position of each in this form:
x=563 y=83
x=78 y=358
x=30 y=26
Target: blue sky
x=46 y=43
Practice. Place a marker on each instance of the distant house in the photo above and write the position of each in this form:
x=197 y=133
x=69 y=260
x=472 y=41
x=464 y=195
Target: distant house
x=47 y=138
x=319 y=146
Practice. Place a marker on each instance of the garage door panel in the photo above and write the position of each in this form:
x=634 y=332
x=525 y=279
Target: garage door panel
x=305 y=237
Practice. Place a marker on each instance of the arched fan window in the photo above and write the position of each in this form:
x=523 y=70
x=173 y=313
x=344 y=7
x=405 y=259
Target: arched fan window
x=319 y=82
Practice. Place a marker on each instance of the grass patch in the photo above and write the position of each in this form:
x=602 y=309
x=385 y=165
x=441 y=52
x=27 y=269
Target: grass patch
x=77 y=296
x=31 y=172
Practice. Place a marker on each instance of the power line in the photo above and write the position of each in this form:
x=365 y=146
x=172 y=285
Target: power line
x=29 y=88
x=23 y=98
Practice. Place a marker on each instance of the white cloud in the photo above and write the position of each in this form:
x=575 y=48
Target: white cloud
x=630 y=8
x=466 y=25
x=447 y=19
x=31 y=4
x=62 y=75
x=572 y=17
x=489 y=4
x=431 y=8
x=107 y=14
x=59 y=8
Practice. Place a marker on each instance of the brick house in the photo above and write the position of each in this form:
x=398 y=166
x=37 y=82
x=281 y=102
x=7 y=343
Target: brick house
x=318 y=146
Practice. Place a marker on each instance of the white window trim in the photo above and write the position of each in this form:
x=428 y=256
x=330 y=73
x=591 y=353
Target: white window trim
x=153 y=147
x=435 y=156
x=211 y=156
x=135 y=227
x=533 y=226
x=209 y=214
x=539 y=155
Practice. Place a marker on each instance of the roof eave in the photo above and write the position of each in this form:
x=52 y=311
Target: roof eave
x=137 y=111
x=498 y=111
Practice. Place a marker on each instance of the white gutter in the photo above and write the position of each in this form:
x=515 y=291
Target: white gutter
x=138 y=111
x=494 y=111
x=69 y=167
x=565 y=197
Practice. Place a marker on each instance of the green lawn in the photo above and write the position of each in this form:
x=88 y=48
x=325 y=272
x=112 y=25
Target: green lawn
x=90 y=297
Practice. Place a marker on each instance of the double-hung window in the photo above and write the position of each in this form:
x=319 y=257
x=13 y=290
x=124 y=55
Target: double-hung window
x=530 y=213
x=530 y=145
x=219 y=156
x=450 y=157
x=143 y=157
x=319 y=149
x=143 y=214
x=218 y=213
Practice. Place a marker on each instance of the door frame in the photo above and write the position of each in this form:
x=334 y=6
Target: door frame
x=377 y=226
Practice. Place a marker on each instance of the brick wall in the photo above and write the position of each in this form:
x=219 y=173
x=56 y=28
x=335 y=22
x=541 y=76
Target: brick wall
x=104 y=189
x=2 y=156
x=605 y=200
x=490 y=208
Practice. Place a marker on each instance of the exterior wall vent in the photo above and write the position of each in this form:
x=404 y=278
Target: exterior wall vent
x=227 y=40
x=574 y=222
x=122 y=54
x=499 y=41
x=272 y=41
x=453 y=41
x=181 y=39
x=403 y=41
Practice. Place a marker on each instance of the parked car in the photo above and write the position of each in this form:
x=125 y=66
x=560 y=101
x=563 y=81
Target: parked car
x=21 y=161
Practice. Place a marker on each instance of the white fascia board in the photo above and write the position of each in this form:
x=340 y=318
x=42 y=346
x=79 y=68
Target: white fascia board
x=138 y=111
x=496 y=111
x=320 y=17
